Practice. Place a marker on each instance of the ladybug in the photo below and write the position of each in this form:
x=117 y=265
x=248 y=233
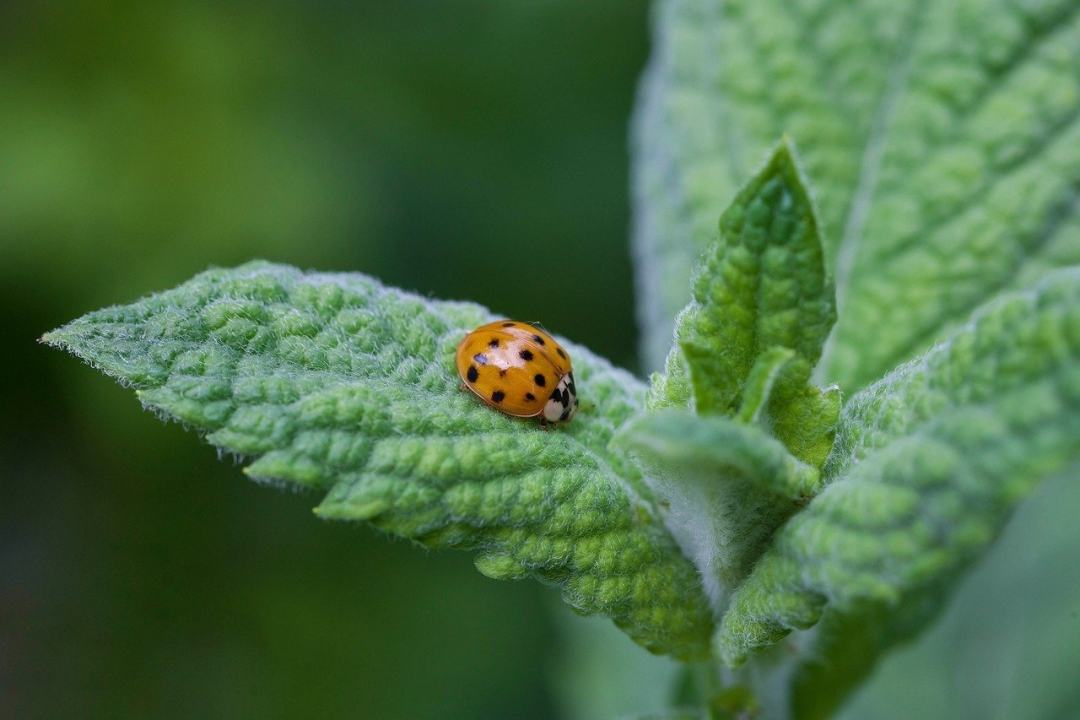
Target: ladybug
x=519 y=370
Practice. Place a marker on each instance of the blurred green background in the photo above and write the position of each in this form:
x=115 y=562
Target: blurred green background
x=420 y=142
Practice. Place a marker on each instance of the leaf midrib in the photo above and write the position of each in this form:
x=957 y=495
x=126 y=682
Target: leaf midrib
x=1058 y=22
x=873 y=152
x=601 y=464
x=1069 y=209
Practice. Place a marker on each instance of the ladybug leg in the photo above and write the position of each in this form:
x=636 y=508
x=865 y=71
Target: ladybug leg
x=544 y=424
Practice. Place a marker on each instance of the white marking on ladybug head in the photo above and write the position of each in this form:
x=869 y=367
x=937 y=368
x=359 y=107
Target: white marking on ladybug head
x=562 y=403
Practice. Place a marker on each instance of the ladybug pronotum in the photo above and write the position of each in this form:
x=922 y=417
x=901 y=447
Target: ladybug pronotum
x=519 y=370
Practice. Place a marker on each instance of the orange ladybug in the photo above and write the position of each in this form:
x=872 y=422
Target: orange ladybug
x=519 y=370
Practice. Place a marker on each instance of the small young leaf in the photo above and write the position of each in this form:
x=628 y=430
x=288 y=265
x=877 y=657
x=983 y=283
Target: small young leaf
x=671 y=388
x=928 y=464
x=336 y=383
x=761 y=285
x=803 y=415
x=761 y=381
x=726 y=486
x=761 y=291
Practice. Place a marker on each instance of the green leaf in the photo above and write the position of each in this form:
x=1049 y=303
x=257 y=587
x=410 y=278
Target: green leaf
x=760 y=382
x=760 y=285
x=929 y=463
x=804 y=416
x=761 y=290
x=336 y=383
x=943 y=140
x=725 y=486
x=1009 y=631
x=671 y=388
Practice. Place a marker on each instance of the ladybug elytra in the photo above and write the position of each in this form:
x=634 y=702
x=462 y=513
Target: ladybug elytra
x=519 y=370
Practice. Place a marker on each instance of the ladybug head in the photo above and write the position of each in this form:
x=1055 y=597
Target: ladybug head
x=563 y=401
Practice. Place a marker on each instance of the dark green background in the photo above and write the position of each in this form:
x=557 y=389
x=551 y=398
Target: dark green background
x=472 y=150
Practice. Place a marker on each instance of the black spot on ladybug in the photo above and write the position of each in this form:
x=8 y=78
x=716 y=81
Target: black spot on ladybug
x=502 y=372
x=561 y=353
x=472 y=375
x=480 y=358
x=565 y=414
x=497 y=396
x=557 y=395
x=526 y=355
x=530 y=397
x=538 y=340
x=565 y=399
x=494 y=343
x=540 y=380
x=508 y=324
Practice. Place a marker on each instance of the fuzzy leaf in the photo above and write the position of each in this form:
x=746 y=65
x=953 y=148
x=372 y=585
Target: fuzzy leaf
x=671 y=388
x=760 y=382
x=726 y=487
x=761 y=290
x=760 y=285
x=336 y=383
x=928 y=464
x=943 y=140
x=804 y=416
x=1008 y=634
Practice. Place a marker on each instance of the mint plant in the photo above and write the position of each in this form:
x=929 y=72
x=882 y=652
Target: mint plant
x=875 y=361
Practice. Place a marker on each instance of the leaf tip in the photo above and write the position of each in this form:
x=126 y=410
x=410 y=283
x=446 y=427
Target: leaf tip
x=54 y=338
x=789 y=146
x=784 y=158
x=786 y=147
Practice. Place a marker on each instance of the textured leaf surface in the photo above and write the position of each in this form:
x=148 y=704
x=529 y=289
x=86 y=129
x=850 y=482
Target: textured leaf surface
x=726 y=487
x=336 y=383
x=760 y=382
x=943 y=140
x=761 y=290
x=928 y=464
x=1003 y=647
